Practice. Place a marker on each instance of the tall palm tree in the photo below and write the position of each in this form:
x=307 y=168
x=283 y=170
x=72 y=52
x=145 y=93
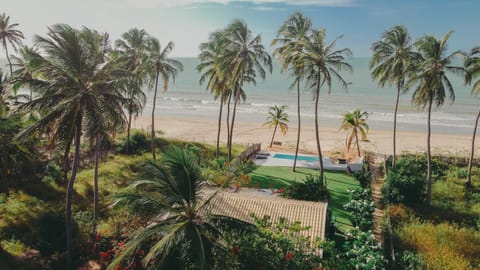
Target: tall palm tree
x=277 y=117
x=290 y=37
x=391 y=58
x=215 y=71
x=159 y=64
x=79 y=90
x=183 y=228
x=322 y=64
x=355 y=123
x=431 y=83
x=472 y=64
x=9 y=35
x=248 y=58
x=132 y=49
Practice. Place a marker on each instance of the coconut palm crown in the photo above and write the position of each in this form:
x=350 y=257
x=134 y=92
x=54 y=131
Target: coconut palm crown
x=9 y=35
x=390 y=63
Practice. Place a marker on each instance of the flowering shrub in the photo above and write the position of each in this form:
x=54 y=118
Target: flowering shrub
x=363 y=251
x=362 y=207
x=269 y=246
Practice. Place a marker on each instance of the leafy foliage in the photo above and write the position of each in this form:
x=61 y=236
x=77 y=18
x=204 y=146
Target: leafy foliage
x=269 y=246
x=312 y=189
x=407 y=184
x=137 y=144
x=362 y=207
x=363 y=251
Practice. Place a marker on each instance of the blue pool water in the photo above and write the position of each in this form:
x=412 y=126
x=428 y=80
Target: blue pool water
x=292 y=157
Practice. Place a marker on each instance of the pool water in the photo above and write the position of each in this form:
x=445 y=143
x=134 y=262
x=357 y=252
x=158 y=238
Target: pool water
x=292 y=157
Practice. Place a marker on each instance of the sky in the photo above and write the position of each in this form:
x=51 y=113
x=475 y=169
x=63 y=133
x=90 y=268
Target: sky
x=188 y=22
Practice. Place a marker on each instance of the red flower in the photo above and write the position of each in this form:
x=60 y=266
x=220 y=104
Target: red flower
x=121 y=244
x=234 y=250
x=97 y=236
x=319 y=268
x=104 y=255
x=289 y=256
x=117 y=267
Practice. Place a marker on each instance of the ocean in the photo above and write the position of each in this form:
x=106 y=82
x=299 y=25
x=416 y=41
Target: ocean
x=186 y=98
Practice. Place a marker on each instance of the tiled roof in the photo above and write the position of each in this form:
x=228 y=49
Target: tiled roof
x=241 y=205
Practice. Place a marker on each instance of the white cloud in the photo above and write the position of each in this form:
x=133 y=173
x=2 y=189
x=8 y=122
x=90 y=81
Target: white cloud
x=175 y=3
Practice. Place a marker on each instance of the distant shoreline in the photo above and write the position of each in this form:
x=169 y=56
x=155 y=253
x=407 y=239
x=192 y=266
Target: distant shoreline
x=205 y=131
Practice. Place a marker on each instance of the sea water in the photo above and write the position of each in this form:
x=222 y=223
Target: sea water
x=187 y=98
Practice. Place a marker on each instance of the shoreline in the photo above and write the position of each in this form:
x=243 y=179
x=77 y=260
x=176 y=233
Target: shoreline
x=380 y=141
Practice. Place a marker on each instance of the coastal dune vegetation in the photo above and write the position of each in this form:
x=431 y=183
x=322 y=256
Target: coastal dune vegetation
x=80 y=188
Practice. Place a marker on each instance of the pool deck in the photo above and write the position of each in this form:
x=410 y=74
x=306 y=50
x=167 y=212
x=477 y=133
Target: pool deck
x=270 y=160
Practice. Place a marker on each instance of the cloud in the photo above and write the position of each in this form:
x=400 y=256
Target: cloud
x=176 y=3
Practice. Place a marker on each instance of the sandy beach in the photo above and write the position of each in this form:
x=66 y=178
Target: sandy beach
x=380 y=141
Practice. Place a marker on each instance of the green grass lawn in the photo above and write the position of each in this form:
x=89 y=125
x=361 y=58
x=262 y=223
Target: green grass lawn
x=337 y=183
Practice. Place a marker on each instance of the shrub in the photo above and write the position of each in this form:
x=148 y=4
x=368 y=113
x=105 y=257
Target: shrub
x=312 y=189
x=363 y=176
x=361 y=208
x=138 y=143
x=442 y=246
x=53 y=173
x=407 y=184
x=268 y=246
x=362 y=251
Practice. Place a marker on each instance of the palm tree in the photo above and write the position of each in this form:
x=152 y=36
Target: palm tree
x=247 y=58
x=183 y=229
x=159 y=64
x=9 y=35
x=355 y=123
x=131 y=49
x=291 y=36
x=431 y=65
x=390 y=62
x=472 y=64
x=215 y=71
x=322 y=63
x=79 y=89
x=277 y=117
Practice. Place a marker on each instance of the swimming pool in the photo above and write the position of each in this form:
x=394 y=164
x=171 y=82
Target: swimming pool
x=292 y=157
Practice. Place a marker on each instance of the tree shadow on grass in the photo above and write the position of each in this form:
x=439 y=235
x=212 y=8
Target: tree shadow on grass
x=267 y=181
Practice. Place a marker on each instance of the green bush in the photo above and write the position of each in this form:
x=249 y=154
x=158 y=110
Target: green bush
x=362 y=251
x=363 y=176
x=407 y=184
x=361 y=208
x=138 y=143
x=268 y=246
x=53 y=173
x=312 y=189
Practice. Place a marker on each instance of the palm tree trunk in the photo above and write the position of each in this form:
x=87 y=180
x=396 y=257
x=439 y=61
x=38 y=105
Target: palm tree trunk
x=319 y=149
x=273 y=136
x=66 y=160
x=217 y=153
x=358 y=144
x=228 y=119
x=237 y=97
x=8 y=58
x=153 y=115
x=429 y=155
x=298 y=131
x=95 y=180
x=129 y=126
x=395 y=129
x=472 y=152
x=70 y=190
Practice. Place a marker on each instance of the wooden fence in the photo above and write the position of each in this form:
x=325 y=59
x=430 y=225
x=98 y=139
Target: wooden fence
x=251 y=150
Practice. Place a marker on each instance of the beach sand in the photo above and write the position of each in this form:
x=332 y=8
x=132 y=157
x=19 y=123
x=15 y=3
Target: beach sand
x=380 y=141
